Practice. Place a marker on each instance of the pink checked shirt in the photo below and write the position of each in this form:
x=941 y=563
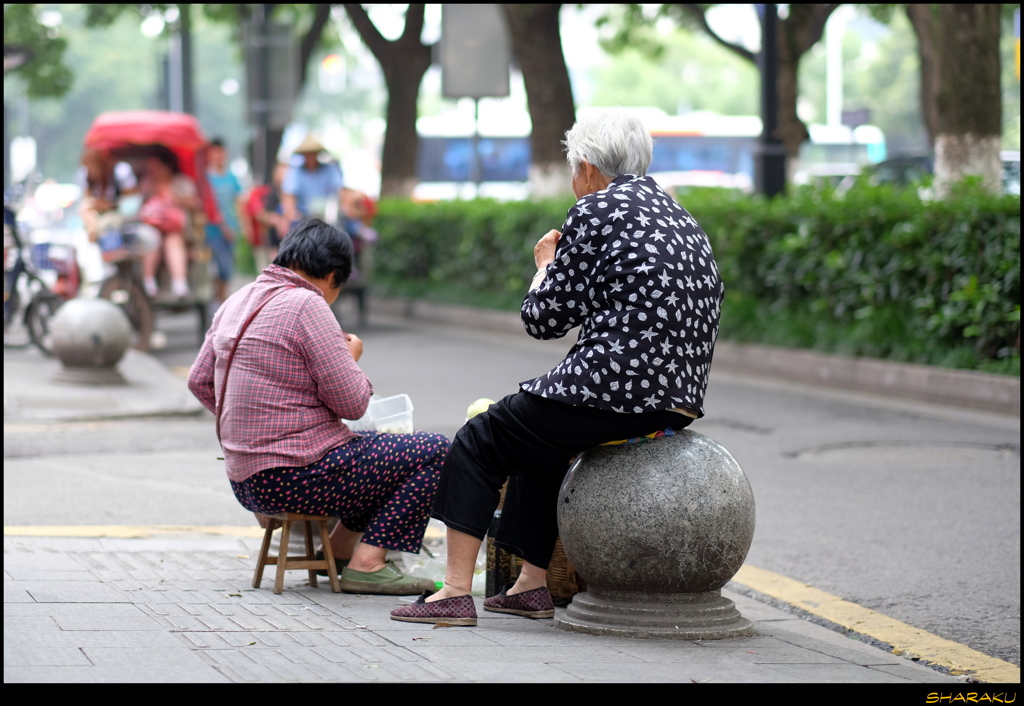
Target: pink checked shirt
x=291 y=380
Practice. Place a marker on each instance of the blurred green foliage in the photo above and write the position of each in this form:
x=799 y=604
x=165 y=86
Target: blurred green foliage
x=873 y=271
x=45 y=73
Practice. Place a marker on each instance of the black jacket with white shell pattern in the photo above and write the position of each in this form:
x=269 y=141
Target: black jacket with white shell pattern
x=636 y=273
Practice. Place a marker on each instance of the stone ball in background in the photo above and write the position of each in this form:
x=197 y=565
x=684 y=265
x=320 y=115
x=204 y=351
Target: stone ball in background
x=673 y=515
x=90 y=333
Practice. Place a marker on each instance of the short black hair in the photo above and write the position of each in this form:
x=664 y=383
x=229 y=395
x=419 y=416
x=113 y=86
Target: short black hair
x=216 y=142
x=318 y=249
x=167 y=156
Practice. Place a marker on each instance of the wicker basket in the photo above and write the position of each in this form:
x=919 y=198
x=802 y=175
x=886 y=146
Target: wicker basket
x=563 y=581
x=503 y=568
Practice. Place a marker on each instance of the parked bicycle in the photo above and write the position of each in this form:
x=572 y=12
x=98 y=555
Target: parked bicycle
x=29 y=301
x=122 y=244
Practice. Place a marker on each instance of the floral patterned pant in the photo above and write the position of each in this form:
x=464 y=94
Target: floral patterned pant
x=379 y=484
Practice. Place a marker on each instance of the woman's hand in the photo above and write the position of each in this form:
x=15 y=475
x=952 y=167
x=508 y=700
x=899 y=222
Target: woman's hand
x=355 y=346
x=544 y=250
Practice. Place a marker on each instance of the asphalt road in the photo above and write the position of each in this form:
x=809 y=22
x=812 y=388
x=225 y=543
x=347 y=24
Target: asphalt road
x=909 y=510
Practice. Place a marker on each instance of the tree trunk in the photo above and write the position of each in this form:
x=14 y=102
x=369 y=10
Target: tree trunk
x=403 y=61
x=791 y=130
x=321 y=16
x=800 y=31
x=401 y=141
x=537 y=43
x=924 y=19
x=968 y=99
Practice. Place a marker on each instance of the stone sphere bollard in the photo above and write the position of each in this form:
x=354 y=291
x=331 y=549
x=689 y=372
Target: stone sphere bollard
x=656 y=529
x=90 y=336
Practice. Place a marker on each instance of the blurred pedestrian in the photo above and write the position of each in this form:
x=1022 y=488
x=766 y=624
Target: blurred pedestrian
x=171 y=206
x=104 y=180
x=266 y=217
x=315 y=188
x=221 y=236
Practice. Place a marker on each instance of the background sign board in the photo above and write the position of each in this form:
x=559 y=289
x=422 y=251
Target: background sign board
x=273 y=75
x=475 y=52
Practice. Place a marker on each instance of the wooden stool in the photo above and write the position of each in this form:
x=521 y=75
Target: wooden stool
x=292 y=563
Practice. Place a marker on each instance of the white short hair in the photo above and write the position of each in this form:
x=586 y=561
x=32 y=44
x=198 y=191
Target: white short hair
x=610 y=139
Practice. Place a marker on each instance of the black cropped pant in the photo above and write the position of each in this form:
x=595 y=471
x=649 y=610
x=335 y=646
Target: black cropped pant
x=530 y=441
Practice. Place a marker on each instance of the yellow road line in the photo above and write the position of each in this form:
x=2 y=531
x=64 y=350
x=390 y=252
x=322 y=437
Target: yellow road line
x=905 y=639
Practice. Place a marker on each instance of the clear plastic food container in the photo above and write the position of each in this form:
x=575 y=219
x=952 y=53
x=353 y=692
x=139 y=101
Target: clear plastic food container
x=385 y=414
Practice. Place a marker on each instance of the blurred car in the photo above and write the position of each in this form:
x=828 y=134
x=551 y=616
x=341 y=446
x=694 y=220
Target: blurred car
x=900 y=171
x=904 y=171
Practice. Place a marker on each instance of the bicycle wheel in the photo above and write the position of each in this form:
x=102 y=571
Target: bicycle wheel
x=131 y=297
x=37 y=319
x=16 y=333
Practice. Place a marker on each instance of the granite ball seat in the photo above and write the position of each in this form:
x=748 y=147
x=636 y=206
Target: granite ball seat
x=656 y=529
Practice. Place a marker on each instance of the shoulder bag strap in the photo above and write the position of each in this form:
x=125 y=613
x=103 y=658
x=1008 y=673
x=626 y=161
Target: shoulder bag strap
x=231 y=355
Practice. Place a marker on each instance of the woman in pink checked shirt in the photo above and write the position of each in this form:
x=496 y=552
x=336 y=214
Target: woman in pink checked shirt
x=292 y=377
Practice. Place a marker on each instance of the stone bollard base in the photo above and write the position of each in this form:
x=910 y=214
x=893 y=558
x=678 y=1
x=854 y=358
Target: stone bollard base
x=688 y=616
x=90 y=376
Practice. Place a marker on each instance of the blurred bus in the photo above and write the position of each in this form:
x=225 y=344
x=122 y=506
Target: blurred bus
x=696 y=149
x=445 y=161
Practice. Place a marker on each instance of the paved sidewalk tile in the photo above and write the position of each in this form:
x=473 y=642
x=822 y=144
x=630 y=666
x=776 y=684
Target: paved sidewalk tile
x=657 y=673
x=320 y=664
x=110 y=675
x=15 y=593
x=171 y=664
x=842 y=673
x=72 y=592
x=15 y=626
x=101 y=638
x=446 y=637
x=494 y=672
x=19 y=655
x=572 y=651
x=104 y=616
x=185 y=614
x=766 y=650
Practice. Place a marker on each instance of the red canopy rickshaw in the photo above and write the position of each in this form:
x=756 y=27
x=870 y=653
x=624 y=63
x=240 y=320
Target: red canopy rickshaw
x=132 y=136
x=128 y=133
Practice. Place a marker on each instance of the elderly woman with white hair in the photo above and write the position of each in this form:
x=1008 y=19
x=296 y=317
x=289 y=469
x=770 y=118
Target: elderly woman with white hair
x=635 y=272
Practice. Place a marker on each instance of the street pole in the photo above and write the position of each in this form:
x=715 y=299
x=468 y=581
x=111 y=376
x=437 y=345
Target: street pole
x=174 y=74
x=259 y=77
x=475 y=171
x=7 y=150
x=770 y=172
x=188 y=104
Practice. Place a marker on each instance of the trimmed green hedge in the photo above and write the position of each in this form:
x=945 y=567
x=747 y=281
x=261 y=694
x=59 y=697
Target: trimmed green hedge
x=474 y=252
x=873 y=272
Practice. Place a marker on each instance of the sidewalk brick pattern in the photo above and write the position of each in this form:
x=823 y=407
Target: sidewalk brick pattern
x=183 y=610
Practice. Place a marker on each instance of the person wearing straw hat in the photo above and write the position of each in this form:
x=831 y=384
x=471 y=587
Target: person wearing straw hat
x=313 y=188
